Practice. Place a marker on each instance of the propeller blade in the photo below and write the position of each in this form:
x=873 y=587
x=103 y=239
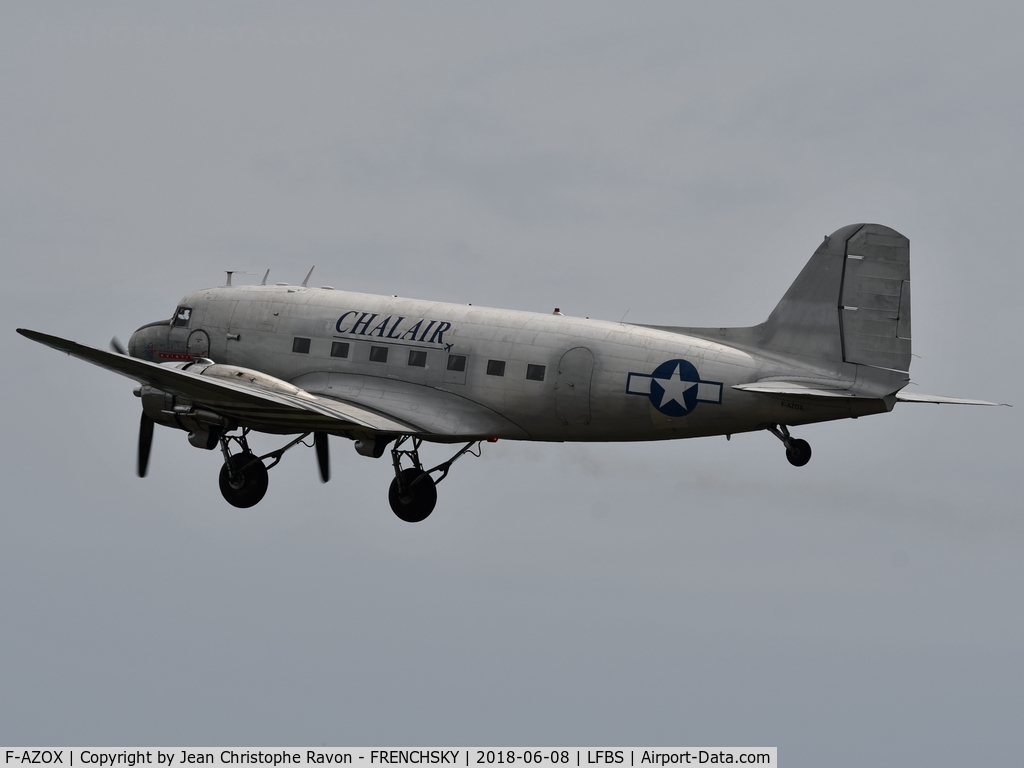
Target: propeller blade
x=117 y=346
x=145 y=443
x=323 y=456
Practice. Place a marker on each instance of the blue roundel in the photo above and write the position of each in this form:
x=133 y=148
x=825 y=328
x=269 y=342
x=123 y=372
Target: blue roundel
x=674 y=387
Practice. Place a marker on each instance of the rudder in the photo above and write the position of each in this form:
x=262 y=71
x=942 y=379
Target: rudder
x=875 y=305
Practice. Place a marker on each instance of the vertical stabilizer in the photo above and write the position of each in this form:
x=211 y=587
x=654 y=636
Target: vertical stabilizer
x=806 y=321
x=851 y=302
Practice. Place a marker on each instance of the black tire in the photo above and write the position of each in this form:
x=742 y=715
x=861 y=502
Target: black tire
x=419 y=500
x=249 y=487
x=798 y=452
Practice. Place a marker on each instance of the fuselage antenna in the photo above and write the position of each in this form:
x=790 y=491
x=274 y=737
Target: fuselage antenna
x=238 y=272
x=265 y=275
x=308 y=274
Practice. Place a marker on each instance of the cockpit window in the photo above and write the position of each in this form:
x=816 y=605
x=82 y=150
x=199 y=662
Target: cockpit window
x=181 y=316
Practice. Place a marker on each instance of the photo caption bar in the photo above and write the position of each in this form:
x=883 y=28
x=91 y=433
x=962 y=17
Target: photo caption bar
x=104 y=757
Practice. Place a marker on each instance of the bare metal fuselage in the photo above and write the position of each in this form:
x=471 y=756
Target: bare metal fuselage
x=595 y=384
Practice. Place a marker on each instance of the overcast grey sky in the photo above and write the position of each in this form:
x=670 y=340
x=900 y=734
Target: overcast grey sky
x=678 y=161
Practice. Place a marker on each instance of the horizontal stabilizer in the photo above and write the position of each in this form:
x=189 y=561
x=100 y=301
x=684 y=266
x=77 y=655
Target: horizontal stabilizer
x=913 y=397
x=797 y=389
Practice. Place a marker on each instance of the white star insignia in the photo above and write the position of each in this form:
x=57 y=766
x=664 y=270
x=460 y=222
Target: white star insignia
x=674 y=388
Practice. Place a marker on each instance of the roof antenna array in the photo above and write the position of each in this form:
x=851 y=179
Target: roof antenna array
x=308 y=274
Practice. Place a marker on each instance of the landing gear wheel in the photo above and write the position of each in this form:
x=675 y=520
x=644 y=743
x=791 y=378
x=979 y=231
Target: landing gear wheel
x=419 y=499
x=248 y=486
x=798 y=452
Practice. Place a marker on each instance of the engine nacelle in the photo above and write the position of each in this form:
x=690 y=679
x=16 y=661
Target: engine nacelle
x=204 y=427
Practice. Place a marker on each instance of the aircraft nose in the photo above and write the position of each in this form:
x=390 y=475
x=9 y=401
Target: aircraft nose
x=148 y=340
x=133 y=345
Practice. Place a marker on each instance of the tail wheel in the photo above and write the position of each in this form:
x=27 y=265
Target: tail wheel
x=419 y=499
x=247 y=485
x=798 y=452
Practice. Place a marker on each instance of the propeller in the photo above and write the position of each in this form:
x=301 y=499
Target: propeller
x=117 y=346
x=145 y=443
x=323 y=456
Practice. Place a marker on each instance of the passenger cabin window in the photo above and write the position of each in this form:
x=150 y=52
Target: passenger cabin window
x=417 y=358
x=300 y=345
x=339 y=349
x=495 y=367
x=378 y=354
x=456 y=362
x=535 y=372
x=181 y=317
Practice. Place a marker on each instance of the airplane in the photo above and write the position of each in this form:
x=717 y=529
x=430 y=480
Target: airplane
x=387 y=371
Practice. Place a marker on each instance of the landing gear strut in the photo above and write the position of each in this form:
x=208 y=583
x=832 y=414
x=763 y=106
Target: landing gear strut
x=243 y=478
x=413 y=492
x=798 y=452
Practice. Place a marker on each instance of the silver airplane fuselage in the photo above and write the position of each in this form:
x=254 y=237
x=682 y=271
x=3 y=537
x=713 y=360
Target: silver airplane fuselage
x=544 y=377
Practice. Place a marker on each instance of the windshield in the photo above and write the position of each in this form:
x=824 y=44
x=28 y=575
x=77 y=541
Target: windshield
x=181 y=316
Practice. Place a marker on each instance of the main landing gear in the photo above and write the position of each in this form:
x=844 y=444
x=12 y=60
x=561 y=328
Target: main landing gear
x=243 y=478
x=413 y=492
x=798 y=452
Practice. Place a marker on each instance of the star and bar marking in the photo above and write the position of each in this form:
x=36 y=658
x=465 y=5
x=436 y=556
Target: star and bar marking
x=674 y=388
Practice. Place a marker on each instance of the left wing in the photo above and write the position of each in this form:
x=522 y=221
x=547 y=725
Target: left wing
x=250 y=397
